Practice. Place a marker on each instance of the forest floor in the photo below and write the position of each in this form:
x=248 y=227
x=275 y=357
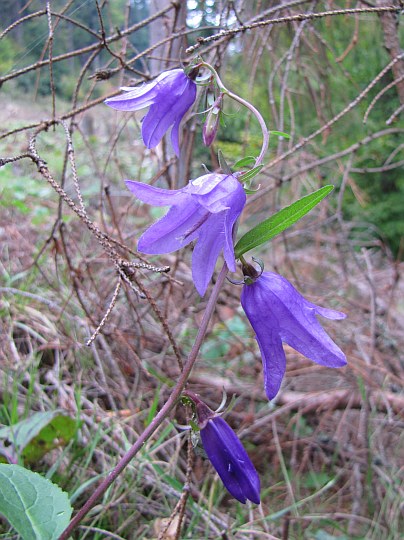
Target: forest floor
x=328 y=449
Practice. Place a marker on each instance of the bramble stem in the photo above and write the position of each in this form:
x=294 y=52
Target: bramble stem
x=161 y=415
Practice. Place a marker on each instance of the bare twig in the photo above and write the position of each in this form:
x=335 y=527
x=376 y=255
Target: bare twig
x=291 y=18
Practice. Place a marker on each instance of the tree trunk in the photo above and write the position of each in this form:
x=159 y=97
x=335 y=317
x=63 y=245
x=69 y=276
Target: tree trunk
x=167 y=55
x=389 y=22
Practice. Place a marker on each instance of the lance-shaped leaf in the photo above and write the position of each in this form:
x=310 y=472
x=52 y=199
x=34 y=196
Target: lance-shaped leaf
x=280 y=221
x=280 y=134
x=249 y=175
x=244 y=162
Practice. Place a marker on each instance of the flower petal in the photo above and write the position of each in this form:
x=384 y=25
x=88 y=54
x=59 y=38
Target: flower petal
x=156 y=122
x=300 y=328
x=236 y=206
x=328 y=313
x=154 y=195
x=134 y=98
x=266 y=325
x=168 y=108
x=214 y=191
x=186 y=101
x=207 y=250
x=312 y=341
x=173 y=231
x=273 y=360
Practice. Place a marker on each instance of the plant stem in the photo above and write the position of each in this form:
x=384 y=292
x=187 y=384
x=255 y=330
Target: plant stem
x=161 y=415
x=256 y=113
x=264 y=129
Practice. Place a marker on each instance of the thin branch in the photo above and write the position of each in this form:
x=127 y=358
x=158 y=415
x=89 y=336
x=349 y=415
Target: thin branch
x=107 y=313
x=291 y=18
x=77 y=52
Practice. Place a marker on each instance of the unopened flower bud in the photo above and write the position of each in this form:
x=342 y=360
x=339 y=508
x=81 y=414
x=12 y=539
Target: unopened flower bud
x=227 y=454
x=211 y=124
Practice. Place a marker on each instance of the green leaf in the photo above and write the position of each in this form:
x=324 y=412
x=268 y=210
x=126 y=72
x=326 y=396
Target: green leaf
x=153 y=408
x=280 y=221
x=280 y=134
x=223 y=163
x=251 y=191
x=250 y=174
x=245 y=162
x=36 y=508
x=315 y=480
x=321 y=534
x=33 y=437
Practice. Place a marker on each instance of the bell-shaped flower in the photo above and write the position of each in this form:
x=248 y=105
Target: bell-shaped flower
x=169 y=96
x=227 y=454
x=205 y=210
x=279 y=313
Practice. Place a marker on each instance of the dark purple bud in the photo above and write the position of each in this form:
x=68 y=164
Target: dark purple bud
x=227 y=454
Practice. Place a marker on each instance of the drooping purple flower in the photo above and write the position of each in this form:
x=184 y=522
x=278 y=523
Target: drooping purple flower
x=205 y=210
x=279 y=313
x=227 y=454
x=169 y=96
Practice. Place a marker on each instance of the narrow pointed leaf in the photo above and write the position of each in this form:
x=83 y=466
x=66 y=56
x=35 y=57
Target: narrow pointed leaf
x=223 y=163
x=35 y=507
x=245 y=162
x=250 y=191
x=280 y=221
x=249 y=175
x=280 y=134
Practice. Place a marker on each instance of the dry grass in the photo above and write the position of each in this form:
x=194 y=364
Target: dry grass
x=328 y=449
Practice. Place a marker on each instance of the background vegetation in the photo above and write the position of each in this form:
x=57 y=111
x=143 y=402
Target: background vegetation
x=328 y=448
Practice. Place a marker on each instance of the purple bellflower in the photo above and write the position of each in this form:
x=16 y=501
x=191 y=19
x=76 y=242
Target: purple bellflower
x=206 y=209
x=227 y=454
x=169 y=96
x=279 y=313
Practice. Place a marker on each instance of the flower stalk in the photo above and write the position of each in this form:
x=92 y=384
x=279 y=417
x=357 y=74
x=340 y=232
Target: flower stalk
x=161 y=415
x=248 y=105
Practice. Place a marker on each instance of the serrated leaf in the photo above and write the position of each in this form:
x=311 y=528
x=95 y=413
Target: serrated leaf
x=245 y=162
x=280 y=221
x=33 y=437
x=35 y=507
